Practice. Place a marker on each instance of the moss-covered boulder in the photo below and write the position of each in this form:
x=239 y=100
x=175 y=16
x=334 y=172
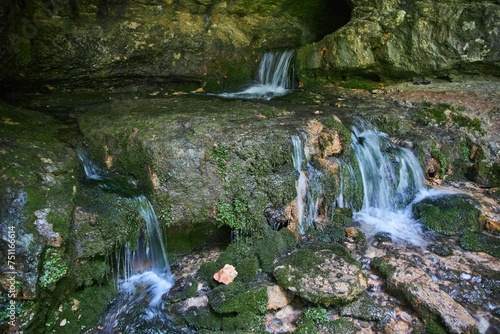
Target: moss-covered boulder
x=449 y=214
x=37 y=192
x=239 y=297
x=322 y=274
x=224 y=162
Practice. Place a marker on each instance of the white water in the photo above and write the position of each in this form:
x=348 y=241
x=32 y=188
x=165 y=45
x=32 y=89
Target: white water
x=274 y=79
x=392 y=181
x=144 y=271
x=308 y=188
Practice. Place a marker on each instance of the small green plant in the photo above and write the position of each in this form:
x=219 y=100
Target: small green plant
x=165 y=215
x=232 y=214
x=465 y=152
x=218 y=156
x=316 y=314
x=437 y=154
x=53 y=269
x=466 y=122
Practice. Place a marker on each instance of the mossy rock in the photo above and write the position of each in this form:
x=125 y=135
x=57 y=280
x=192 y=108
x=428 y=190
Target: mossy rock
x=449 y=214
x=243 y=322
x=480 y=242
x=203 y=318
x=239 y=297
x=323 y=274
x=364 y=308
x=488 y=174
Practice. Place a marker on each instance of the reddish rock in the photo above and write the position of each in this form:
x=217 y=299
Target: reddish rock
x=226 y=275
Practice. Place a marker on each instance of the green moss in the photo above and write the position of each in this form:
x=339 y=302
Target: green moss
x=478 y=242
x=272 y=245
x=440 y=157
x=448 y=214
x=342 y=216
x=90 y=272
x=434 y=327
x=364 y=308
x=317 y=315
x=488 y=174
x=466 y=122
x=83 y=310
x=360 y=83
x=383 y=267
x=53 y=268
x=341 y=326
x=240 y=298
x=232 y=214
x=243 y=322
x=219 y=156
x=203 y=318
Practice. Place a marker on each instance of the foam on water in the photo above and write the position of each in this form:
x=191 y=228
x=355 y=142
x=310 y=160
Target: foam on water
x=274 y=79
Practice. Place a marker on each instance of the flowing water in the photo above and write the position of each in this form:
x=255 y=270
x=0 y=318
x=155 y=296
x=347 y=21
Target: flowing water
x=308 y=188
x=392 y=181
x=274 y=78
x=144 y=272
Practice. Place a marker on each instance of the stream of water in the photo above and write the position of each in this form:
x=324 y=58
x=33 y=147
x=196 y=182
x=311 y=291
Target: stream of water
x=144 y=274
x=273 y=80
x=392 y=181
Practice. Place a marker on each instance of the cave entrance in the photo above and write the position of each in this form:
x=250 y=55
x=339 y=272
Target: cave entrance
x=322 y=16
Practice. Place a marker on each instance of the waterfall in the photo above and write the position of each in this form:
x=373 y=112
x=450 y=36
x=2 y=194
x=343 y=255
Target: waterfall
x=392 y=181
x=144 y=272
x=308 y=188
x=274 y=78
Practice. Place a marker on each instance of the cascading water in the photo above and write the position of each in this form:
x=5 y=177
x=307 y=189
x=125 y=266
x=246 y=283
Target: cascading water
x=144 y=272
x=392 y=181
x=274 y=78
x=308 y=188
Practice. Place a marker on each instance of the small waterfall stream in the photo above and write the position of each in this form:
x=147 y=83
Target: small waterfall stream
x=308 y=188
x=392 y=181
x=274 y=78
x=144 y=272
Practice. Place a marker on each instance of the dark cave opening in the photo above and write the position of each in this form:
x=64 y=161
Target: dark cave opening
x=322 y=16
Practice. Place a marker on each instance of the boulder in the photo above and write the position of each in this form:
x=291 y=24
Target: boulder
x=449 y=214
x=325 y=275
x=424 y=295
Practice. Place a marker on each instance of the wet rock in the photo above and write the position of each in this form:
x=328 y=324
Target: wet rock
x=226 y=275
x=45 y=228
x=424 y=294
x=196 y=302
x=324 y=275
x=277 y=297
x=364 y=308
x=449 y=214
x=440 y=249
x=282 y=321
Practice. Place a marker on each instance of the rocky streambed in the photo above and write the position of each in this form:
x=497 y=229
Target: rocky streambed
x=217 y=170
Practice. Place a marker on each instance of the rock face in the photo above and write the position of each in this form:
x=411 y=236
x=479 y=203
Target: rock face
x=189 y=43
x=200 y=164
x=327 y=276
x=408 y=38
x=424 y=294
x=36 y=191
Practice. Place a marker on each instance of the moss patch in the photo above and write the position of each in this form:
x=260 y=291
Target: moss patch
x=479 y=242
x=448 y=214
